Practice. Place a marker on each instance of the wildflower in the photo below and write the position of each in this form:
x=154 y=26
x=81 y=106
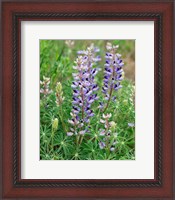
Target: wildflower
x=69 y=133
x=70 y=43
x=110 y=47
x=112 y=125
x=102 y=145
x=112 y=148
x=102 y=121
x=59 y=87
x=102 y=132
x=131 y=124
x=105 y=120
x=82 y=132
x=91 y=50
x=84 y=88
x=107 y=116
x=73 y=121
x=101 y=105
x=55 y=124
x=45 y=86
x=107 y=133
x=59 y=94
x=113 y=73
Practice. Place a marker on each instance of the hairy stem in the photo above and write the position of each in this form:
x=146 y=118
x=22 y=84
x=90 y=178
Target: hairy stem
x=52 y=137
x=110 y=95
x=62 y=122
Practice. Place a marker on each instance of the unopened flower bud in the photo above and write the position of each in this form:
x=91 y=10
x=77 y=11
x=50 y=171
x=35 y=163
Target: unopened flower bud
x=112 y=125
x=59 y=94
x=59 y=87
x=55 y=124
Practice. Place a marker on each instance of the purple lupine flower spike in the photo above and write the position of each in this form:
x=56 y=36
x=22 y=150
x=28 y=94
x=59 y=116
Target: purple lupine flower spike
x=84 y=88
x=112 y=73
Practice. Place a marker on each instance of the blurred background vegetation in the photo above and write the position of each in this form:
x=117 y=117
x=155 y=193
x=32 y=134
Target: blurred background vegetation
x=51 y=51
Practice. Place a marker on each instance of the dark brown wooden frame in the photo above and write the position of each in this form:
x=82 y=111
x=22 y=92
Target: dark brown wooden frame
x=161 y=12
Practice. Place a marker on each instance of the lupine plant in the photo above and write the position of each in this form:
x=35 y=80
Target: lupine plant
x=84 y=92
x=45 y=86
x=112 y=74
x=86 y=106
x=108 y=141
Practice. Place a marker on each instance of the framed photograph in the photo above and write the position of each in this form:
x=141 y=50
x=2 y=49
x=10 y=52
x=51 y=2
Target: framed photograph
x=87 y=100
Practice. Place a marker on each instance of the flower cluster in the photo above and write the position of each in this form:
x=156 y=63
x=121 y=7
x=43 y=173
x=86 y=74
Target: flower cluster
x=109 y=141
x=112 y=74
x=91 y=53
x=45 y=86
x=84 y=91
x=70 y=43
x=59 y=94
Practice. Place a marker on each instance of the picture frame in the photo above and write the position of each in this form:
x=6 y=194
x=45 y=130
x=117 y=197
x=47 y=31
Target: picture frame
x=13 y=186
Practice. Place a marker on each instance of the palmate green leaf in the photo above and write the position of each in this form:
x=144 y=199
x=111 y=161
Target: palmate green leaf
x=89 y=148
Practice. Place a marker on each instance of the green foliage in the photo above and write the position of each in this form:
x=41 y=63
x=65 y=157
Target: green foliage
x=56 y=61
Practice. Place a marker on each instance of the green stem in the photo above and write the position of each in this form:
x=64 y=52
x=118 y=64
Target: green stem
x=62 y=122
x=110 y=95
x=77 y=139
x=81 y=139
x=97 y=118
x=108 y=152
x=52 y=137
